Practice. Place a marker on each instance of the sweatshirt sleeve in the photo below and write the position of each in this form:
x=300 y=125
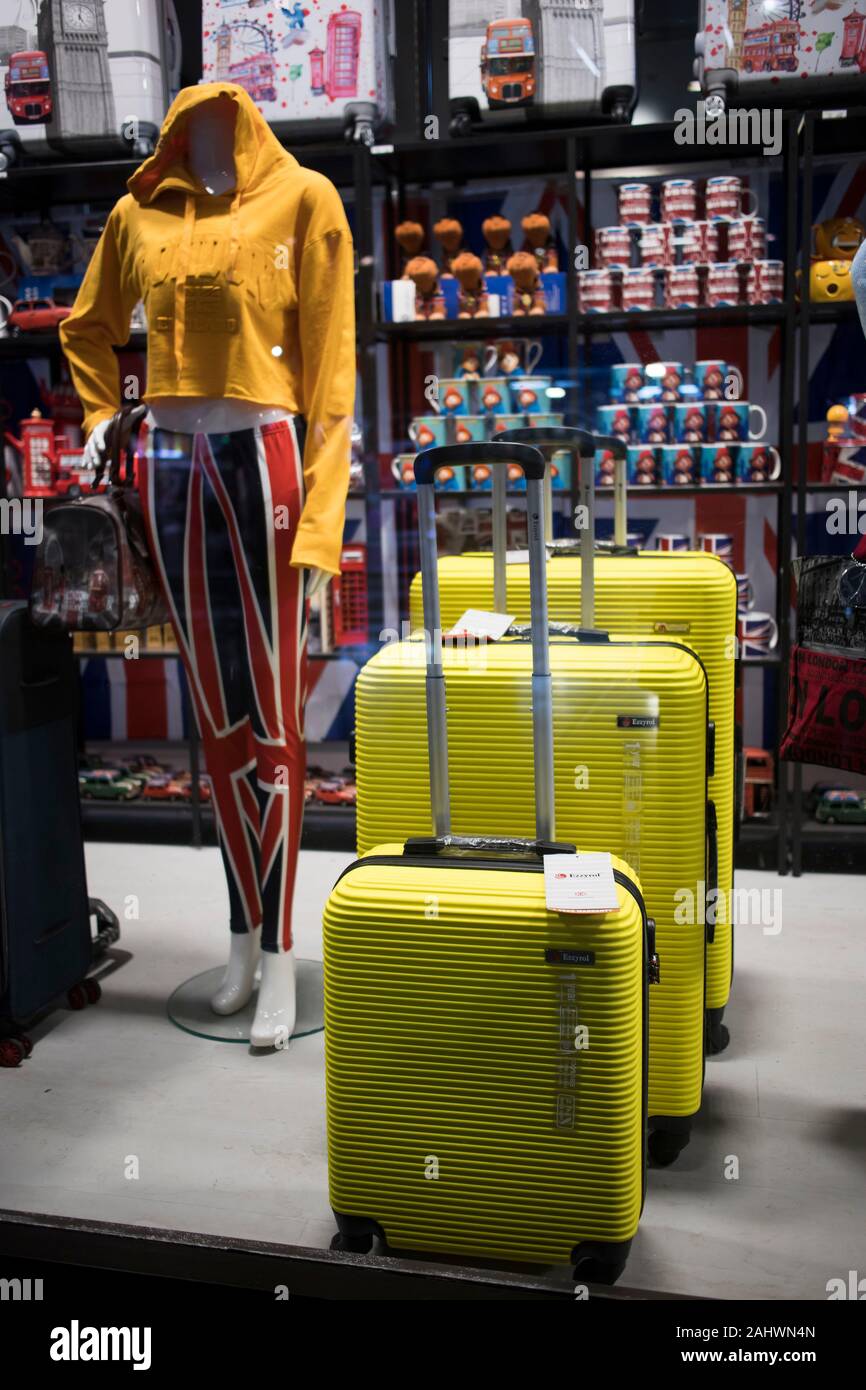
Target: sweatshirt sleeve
x=99 y=322
x=326 y=320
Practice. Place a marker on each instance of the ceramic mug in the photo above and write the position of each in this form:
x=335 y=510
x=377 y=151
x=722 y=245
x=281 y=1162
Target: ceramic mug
x=673 y=540
x=643 y=465
x=653 y=423
x=529 y=393
x=403 y=469
x=425 y=431
x=626 y=379
x=454 y=396
x=717 y=543
x=547 y=420
x=470 y=429
x=500 y=423
x=725 y=196
x=691 y=423
x=619 y=420
x=758 y=463
x=758 y=633
x=681 y=465
x=605 y=468
x=494 y=397
x=668 y=377
x=711 y=377
x=718 y=463
x=5 y=311
x=745 y=593
x=450 y=477
x=732 y=423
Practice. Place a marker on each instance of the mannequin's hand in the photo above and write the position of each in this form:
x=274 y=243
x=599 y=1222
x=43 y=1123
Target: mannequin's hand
x=94 y=449
x=316 y=580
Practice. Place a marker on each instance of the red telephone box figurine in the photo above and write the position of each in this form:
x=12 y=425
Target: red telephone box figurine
x=50 y=466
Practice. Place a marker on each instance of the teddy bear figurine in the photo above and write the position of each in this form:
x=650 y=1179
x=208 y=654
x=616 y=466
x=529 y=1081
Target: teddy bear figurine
x=472 y=298
x=429 y=300
x=497 y=234
x=528 y=289
x=410 y=239
x=539 y=241
x=449 y=233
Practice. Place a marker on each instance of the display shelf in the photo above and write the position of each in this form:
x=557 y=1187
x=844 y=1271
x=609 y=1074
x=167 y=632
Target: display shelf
x=653 y=490
x=48 y=345
x=844 y=312
x=447 y=330
x=747 y=662
x=618 y=321
x=728 y=316
x=518 y=150
x=836 y=487
x=52 y=181
x=325 y=827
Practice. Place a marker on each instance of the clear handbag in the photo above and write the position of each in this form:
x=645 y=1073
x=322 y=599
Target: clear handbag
x=93 y=571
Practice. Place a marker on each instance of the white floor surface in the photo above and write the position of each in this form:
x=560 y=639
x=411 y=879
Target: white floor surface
x=233 y=1143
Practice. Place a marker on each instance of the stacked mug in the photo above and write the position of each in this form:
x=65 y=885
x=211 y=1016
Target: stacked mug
x=706 y=248
x=467 y=410
x=685 y=432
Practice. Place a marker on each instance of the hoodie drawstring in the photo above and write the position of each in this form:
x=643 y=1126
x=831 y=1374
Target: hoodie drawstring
x=182 y=272
x=235 y=246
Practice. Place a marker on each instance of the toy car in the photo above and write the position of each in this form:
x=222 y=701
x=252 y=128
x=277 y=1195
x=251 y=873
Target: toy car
x=759 y=789
x=841 y=808
x=817 y=791
x=36 y=315
x=107 y=784
x=336 y=792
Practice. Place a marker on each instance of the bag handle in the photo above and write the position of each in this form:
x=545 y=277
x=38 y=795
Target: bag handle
x=429 y=846
x=712 y=870
x=117 y=446
x=531 y=461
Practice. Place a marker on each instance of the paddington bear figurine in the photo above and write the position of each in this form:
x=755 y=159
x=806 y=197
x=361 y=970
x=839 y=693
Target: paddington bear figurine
x=497 y=234
x=410 y=239
x=528 y=297
x=449 y=233
x=429 y=300
x=539 y=241
x=472 y=298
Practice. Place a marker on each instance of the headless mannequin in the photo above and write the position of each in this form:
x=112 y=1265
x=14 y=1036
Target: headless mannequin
x=210 y=158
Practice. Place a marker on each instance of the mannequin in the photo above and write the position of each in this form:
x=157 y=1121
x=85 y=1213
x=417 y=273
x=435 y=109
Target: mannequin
x=213 y=126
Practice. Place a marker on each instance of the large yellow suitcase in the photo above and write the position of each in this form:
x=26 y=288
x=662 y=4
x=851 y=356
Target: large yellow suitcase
x=485 y=1056
x=689 y=596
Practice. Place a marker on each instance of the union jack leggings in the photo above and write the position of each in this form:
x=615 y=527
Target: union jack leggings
x=221 y=512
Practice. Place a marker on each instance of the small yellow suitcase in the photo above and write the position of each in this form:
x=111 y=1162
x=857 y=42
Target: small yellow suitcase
x=485 y=1056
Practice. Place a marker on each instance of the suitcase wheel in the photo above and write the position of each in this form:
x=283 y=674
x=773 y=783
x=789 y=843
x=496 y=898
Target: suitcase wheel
x=93 y=990
x=718 y=1037
x=76 y=998
x=595 y=1271
x=354 y=1245
x=12 y=1052
x=665 y=1146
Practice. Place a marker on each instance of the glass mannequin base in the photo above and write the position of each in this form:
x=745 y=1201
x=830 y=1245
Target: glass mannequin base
x=189 y=1007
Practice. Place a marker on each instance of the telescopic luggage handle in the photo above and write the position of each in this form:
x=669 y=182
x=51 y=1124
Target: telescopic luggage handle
x=612 y=444
x=531 y=461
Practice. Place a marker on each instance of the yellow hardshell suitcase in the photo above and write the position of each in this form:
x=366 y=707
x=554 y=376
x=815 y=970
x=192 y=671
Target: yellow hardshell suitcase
x=485 y=1057
x=632 y=752
x=688 y=595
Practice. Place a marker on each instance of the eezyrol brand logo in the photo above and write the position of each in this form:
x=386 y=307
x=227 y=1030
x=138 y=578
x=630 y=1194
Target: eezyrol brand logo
x=711 y=124
x=77 y=1343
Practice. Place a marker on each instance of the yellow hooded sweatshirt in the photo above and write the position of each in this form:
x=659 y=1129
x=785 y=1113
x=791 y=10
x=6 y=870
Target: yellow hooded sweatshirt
x=248 y=295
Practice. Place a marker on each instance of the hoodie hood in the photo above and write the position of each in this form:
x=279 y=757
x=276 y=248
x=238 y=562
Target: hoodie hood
x=258 y=152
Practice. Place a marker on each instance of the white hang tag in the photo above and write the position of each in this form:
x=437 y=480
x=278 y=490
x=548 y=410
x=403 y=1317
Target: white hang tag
x=481 y=625
x=579 y=883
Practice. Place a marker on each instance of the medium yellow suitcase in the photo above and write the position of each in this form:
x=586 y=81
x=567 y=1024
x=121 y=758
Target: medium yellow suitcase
x=485 y=1056
x=689 y=596
x=632 y=752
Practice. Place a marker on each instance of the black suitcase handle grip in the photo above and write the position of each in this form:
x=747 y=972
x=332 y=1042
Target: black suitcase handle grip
x=431 y=846
x=712 y=869
x=612 y=444
x=531 y=461
x=552 y=439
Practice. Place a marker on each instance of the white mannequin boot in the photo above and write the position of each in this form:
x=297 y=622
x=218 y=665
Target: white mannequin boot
x=274 y=1021
x=240 y=972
